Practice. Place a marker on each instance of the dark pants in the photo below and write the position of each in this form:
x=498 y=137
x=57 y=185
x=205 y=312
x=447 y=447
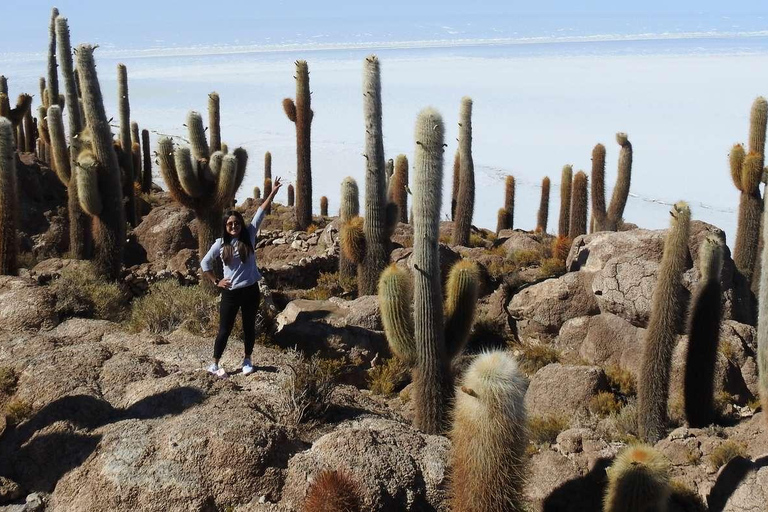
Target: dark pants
x=246 y=299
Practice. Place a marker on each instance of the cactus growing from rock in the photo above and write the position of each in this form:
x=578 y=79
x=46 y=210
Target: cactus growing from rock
x=564 y=220
x=661 y=334
x=502 y=217
x=214 y=121
x=323 y=206
x=9 y=207
x=301 y=114
x=98 y=175
x=543 y=215
x=703 y=335
x=465 y=200
x=146 y=176
x=490 y=437
x=333 y=491
x=615 y=213
x=578 y=225
x=400 y=187
x=638 y=481
x=349 y=210
x=268 y=179
x=505 y=217
x=291 y=195
x=762 y=325
x=126 y=160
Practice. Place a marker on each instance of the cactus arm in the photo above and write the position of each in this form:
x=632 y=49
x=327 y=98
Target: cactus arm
x=621 y=190
x=186 y=174
x=735 y=161
x=241 y=155
x=598 y=187
x=352 y=240
x=88 y=184
x=290 y=109
x=395 y=301
x=170 y=175
x=225 y=188
x=59 y=144
x=461 y=291
x=465 y=200
x=757 y=125
x=64 y=48
x=750 y=210
x=5 y=106
x=214 y=121
x=200 y=150
x=53 y=77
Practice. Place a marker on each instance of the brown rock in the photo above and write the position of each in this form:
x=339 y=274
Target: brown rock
x=562 y=390
x=514 y=240
x=165 y=231
x=24 y=305
x=9 y=491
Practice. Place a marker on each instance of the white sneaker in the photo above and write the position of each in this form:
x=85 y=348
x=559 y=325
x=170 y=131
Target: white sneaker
x=247 y=366
x=213 y=368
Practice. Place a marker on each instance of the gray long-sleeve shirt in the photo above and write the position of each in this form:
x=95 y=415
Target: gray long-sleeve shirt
x=240 y=274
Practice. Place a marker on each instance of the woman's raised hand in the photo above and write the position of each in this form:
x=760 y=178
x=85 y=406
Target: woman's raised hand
x=276 y=185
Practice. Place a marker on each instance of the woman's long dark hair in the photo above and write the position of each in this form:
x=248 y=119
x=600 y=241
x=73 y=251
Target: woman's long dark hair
x=244 y=245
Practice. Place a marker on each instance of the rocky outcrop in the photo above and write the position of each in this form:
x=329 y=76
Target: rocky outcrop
x=165 y=231
x=24 y=305
x=563 y=390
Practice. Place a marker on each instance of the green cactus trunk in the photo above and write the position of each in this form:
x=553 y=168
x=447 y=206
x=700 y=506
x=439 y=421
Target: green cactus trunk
x=349 y=209
x=323 y=206
x=615 y=214
x=509 y=201
x=638 y=481
x=124 y=107
x=267 y=179
x=599 y=214
x=101 y=177
x=53 y=77
x=762 y=326
x=214 y=121
x=661 y=335
x=703 y=336
x=465 y=201
x=456 y=183
x=301 y=114
x=146 y=176
x=543 y=215
x=566 y=182
x=578 y=214
x=376 y=240
x=291 y=195
x=400 y=187
x=9 y=207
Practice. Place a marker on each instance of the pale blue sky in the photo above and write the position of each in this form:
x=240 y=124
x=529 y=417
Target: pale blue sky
x=158 y=23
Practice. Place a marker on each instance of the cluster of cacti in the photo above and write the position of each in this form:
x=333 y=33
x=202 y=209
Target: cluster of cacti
x=564 y=221
x=200 y=180
x=489 y=437
x=747 y=172
x=420 y=330
x=638 y=481
x=333 y=491
x=578 y=215
x=268 y=179
x=9 y=208
x=611 y=219
x=543 y=215
x=323 y=206
x=349 y=210
x=703 y=335
x=465 y=199
x=98 y=174
x=506 y=215
x=661 y=334
x=380 y=215
x=301 y=114
x=125 y=155
x=399 y=187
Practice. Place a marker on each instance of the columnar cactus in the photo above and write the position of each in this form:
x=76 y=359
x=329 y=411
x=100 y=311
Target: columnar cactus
x=146 y=175
x=201 y=181
x=506 y=215
x=564 y=221
x=333 y=491
x=214 y=121
x=501 y=220
x=125 y=158
x=323 y=206
x=598 y=188
x=268 y=179
x=465 y=201
x=68 y=75
x=98 y=175
x=53 y=77
x=456 y=182
x=5 y=106
x=762 y=324
x=138 y=174
x=291 y=195
x=615 y=214
x=431 y=335
x=746 y=171
x=653 y=388
x=400 y=187
x=3 y=85
x=390 y=171
x=543 y=215
x=703 y=336
x=490 y=437
x=578 y=225
x=350 y=209
x=256 y=193
x=9 y=207
x=300 y=113
x=29 y=132
x=638 y=481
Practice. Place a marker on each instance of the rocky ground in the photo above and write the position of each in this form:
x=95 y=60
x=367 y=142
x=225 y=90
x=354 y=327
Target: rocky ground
x=116 y=414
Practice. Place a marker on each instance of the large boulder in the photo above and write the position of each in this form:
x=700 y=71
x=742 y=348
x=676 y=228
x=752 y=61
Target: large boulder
x=397 y=467
x=748 y=482
x=563 y=390
x=604 y=340
x=24 y=305
x=516 y=240
x=166 y=231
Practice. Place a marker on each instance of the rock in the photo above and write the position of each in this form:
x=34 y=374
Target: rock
x=742 y=486
x=166 y=231
x=35 y=502
x=514 y=240
x=397 y=467
x=402 y=257
x=541 y=309
x=604 y=339
x=562 y=390
x=548 y=471
x=47 y=270
x=74 y=331
x=55 y=241
x=25 y=305
x=572 y=440
x=9 y=490
x=284 y=266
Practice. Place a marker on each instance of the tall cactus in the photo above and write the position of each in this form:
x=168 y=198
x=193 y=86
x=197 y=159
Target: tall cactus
x=615 y=213
x=703 y=335
x=456 y=182
x=638 y=481
x=98 y=175
x=543 y=215
x=291 y=195
x=214 y=121
x=53 y=77
x=125 y=158
x=146 y=176
x=465 y=201
x=762 y=325
x=653 y=389
x=422 y=338
x=301 y=114
x=598 y=188
x=350 y=209
x=490 y=437
x=9 y=207
x=564 y=220
x=202 y=181
x=268 y=179
x=400 y=187
x=578 y=225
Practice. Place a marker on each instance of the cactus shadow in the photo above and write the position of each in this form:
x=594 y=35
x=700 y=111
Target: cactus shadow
x=729 y=479
x=581 y=494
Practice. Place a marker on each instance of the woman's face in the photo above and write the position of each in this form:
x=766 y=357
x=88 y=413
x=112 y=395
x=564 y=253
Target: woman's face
x=233 y=226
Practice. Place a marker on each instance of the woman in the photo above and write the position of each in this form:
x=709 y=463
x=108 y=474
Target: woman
x=240 y=285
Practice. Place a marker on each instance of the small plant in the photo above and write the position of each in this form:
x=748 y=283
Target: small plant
x=552 y=267
x=309 y=386
x=328 y=285
x=17 y=411
x=625 y=423
x=533 y=358
x=333 y=491
x=727 y=451
x=621 y=381
x=79 y=292
x=476 y=240
x=544 y=430
x=525 y=258
x=7 y=381
x=386 y=378
x=312 y=228
x=168 y=305
x=604 y=404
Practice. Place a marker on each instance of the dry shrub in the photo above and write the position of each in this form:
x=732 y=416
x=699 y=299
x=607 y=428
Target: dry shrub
x=309 y=386
x=17 y=411
x=604 y=404
x=544 y=430
x=621 y=381
x=476 y=240
x=386 y=378
x=312 y=228
x=552 y=267
x=8 y=381
x=167 y=305
x=329 y=285
x=726 y=452
x=525 y=258
x=532 y=358
x=80 y=292
x=333 y=491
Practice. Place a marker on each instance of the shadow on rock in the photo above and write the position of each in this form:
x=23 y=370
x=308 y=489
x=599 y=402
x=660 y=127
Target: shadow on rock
x=583 y=494
x=730 y=478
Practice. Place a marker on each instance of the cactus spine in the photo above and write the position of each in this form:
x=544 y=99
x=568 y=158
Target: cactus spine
x=615 y=214
x=400 y=187
x=396 y=302
x=268 y=179
x=291 y=195
x=598 y=188
x=323 y=206
x=703 y=334
x=638 y=481
x=465 y=200
x=350 y=209
x=126 y=160
x=99 y=174
x=146 y=176
x=214 y=121
x=578 y=215
x=543 y=215
x=653 y=388
x=300 y=113
x=762 y=325
x=9 y=208
x=564 y=221
x=489 y=436
x=333 y=491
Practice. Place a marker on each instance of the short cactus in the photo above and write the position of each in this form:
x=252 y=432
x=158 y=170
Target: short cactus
x=146 y=176
x=400 y=187
x=564 y=221
x=256 y=193
x=615 y=213
x=9 y=207
x=543 y=215
x=465 y=200
x=653 y=388
x=578 y=213
x=349 y=210
x=323 y=206
x=301 y=114
x=638 y=481
x=502 y=217
x=333 y=491
x=490 y=437
x=703 y=335
x=291 y=195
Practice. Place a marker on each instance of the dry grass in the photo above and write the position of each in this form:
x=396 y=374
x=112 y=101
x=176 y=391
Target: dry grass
x=79 y=292
x=604 y=404
x=476 y=240
x=532 y=358
x=386 y=378
x=309 y=386
x=312 y=228
x=8 y=381
x=17 y=411
x=330 y=285
x=552 y=267
x=545 y=430
x=621 y=381
x=726 y=452
x=168 y=305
